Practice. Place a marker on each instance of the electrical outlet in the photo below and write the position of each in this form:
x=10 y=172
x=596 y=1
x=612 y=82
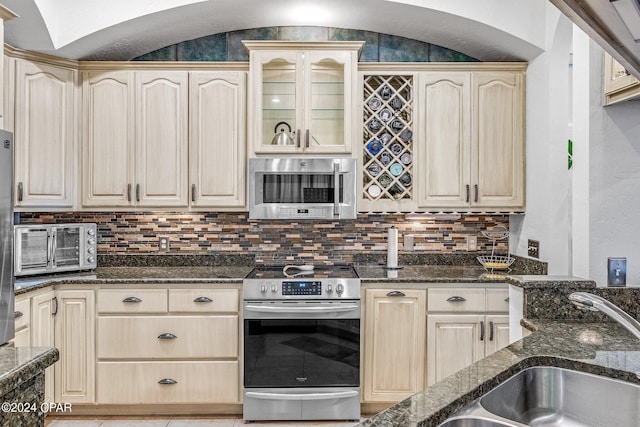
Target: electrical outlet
x=163 y=244
x=408 y=243
x=617 y=271
x=534 y=248
x=472 y=243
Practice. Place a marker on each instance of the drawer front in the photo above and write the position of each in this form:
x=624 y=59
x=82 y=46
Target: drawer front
x=139 y=382
x=498 y=300
x=143 y=301
x=22 y=312
x=147 y=337
x=203 y=300
x=456 y=300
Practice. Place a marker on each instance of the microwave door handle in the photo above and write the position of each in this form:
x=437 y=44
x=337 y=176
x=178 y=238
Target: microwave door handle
x=336 y=189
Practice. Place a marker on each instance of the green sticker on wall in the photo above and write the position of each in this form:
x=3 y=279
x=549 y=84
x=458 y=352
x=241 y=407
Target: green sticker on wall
x=570 y=154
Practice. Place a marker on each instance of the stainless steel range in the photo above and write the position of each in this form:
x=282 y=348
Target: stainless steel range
x=302 y=344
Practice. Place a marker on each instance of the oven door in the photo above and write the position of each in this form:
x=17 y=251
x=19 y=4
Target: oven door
x=301 y=344
x=67 y=245
x=32 y=250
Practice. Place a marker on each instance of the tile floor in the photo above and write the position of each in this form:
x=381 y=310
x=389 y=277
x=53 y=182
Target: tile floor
x=184 y=422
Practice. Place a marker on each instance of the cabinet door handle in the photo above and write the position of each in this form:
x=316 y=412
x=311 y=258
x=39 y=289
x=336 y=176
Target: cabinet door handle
x=475 y=190
x=203 y=299
x=481 y=330
x=137 y=192
x=20 y=191
x=17 y=314
x=456 y=299
x=490 y=331
x=132 y=299
x=306 y=139
x=506 y=299
x=467 y=187
x=396 y=294
x=167 y=381
x=193 y=192
x=298 y=138
x=167 y=336
x=55 y=304
x=128 y=192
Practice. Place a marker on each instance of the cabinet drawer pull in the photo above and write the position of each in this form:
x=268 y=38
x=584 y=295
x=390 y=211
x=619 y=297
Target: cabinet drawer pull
x=481 y=330
x=167 y=381
x=490 y=331
x=203 y=299
x=396 y=294
x=17 y=314
x=167 y=336
x=132 y=299
x=456 y=299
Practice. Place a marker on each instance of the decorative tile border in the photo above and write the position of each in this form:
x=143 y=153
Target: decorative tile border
x=276 y=242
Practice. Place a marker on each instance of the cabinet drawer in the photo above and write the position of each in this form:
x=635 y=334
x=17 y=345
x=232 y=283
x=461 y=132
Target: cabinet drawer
x=456 y=300
x=498 y=300
x=137 y=337
x=203 y=300
x=144 y=301
x=23 y=313
x=195 y=382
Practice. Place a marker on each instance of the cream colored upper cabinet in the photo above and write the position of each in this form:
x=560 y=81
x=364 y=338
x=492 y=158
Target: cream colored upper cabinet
x=498 y=139
x=302 y=96
x=108 y=157
x=619 y=84
x=45 y=134
x=444 y=139
x=161 y=138
x=394 y=344
x=135 y=139
x=471 y=140
x=217 y=143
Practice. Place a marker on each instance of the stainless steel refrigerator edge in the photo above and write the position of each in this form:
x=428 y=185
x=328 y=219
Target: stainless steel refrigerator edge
x=7 y=325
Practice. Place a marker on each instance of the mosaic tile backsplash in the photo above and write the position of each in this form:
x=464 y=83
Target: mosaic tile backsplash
x=276 y=242
x=378 y=47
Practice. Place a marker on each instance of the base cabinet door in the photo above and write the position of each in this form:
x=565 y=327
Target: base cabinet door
x=394 y=344
x=453 y=342
x=74 y=338
x=498 y=333
x=42 y=334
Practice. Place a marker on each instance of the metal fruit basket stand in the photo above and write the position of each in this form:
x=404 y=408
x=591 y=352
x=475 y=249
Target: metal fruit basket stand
x=496 y=262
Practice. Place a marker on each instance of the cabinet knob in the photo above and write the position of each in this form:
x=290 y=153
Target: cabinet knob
x=203 y=299
x=456 y=299
x=167 y=381
x=132 y=299
x=167 y=336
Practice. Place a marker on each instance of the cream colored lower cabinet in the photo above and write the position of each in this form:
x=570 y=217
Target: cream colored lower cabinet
x=42 y=333
x=22 y=315
x=168 y=346
x=394 y=344
x=464 y=326
x=75 y=339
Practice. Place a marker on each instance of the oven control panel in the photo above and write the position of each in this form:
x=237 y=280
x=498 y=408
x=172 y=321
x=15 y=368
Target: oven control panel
x=304 y=287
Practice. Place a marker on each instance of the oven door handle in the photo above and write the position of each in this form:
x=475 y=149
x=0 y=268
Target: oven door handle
x=310 y=396
x=295 y=309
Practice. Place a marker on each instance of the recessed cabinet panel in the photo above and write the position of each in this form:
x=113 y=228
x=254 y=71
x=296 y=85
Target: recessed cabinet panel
x=44 y=135
x=217 y=139
x=161 y=136
x=108 y=158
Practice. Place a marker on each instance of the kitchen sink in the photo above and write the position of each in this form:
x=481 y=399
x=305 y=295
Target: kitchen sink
x=548 y=397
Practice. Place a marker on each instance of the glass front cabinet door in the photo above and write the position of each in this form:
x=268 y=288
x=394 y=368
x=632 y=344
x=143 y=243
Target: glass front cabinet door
x=301 y=96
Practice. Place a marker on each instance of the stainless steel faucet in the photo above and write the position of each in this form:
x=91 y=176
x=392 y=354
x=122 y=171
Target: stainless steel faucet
x=591 y=302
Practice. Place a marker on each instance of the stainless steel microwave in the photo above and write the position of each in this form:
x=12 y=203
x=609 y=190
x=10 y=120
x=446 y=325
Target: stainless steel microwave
x=52 y=248
x=302 y=188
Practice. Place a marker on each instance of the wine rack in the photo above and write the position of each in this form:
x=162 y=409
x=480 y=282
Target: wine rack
x=388 y=137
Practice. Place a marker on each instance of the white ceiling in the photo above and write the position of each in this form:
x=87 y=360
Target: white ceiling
x=489 y=30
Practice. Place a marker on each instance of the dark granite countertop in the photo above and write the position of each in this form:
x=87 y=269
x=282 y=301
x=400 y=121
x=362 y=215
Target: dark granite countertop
x=599 y=348
x=427 y=273
x=138 y=275
x=19 y=364
x=550 y=281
